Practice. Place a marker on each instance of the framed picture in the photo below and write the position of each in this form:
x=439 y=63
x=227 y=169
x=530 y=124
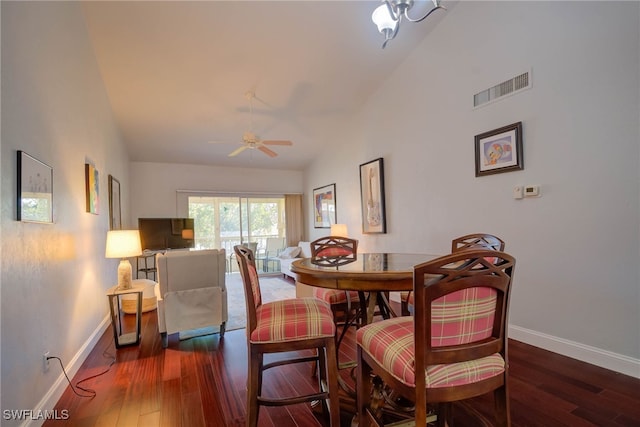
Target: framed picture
x=35 y=190
x=115 y=212
x=372 y=197
x=499 y=150
x=324 y=206
x=92 y=188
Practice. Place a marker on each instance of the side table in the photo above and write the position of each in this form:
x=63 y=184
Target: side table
x=114 y=294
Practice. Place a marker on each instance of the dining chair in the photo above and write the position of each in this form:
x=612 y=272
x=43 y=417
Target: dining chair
x=469 y=241
x=288 y=325
x=343 y=303
x=477 y=240
x=454 y=347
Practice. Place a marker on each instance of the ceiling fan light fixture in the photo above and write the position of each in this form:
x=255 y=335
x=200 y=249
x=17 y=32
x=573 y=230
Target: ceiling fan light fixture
x=252 y=141
x=250 y=137
x=390 y=13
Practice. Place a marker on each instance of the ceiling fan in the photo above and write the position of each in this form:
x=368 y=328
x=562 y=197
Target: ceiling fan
x=252 y=141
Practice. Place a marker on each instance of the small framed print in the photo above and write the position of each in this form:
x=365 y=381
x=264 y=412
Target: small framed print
x=35 y=190
x=499 y=150
x=324 y=206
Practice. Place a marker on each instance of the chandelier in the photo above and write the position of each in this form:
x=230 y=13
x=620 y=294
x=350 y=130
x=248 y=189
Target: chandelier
x=388 y=16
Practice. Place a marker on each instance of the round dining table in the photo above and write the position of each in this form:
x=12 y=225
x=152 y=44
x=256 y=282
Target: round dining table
x=373 y=273
x=373 y=276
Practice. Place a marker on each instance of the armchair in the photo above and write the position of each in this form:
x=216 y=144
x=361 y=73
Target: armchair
x=191 y=291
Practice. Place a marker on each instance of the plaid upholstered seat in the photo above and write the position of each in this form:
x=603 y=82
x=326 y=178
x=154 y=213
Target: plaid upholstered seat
x=453 y=347
x=332 y=252
x=333 y=296
x=293 y=319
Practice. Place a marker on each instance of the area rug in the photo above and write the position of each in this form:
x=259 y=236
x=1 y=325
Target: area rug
x=272 y=287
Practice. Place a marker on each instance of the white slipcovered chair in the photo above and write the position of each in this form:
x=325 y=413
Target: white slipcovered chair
x=191 y=291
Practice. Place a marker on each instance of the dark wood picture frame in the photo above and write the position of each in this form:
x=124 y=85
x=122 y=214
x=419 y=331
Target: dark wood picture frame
x=372 y=197
x=324 y=206
x=115 y=209
x=34 y=190
x=499 y=150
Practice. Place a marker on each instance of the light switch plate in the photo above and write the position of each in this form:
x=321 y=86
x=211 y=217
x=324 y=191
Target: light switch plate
x=517 y=192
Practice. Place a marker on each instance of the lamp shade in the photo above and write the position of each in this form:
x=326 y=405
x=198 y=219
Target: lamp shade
x=123 y=244
x=339 y=230
x=383 y=19
x=187 y=233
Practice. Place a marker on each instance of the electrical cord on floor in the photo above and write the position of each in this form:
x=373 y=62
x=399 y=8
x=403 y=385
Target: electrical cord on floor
x=90 y=392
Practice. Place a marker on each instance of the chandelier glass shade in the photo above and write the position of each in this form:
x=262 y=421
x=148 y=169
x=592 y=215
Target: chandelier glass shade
x=390 y=13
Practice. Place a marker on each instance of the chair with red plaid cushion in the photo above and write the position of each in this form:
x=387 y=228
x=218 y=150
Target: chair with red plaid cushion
x=288 y=325
x=454 y=347
x=338 y=249
x=462 y=243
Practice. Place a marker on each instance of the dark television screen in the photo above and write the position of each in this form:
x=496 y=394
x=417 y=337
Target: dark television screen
x=166 y=233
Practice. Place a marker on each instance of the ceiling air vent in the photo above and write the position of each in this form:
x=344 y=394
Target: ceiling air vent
x=508 y=87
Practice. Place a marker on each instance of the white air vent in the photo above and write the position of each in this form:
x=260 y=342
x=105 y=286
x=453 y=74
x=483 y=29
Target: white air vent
x=509 y=87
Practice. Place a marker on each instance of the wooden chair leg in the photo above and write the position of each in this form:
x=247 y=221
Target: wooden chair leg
x=331 y=375
x=254 y=386
x=322 y=371
x=363 y=381
x=444 y=414
x=501 y=399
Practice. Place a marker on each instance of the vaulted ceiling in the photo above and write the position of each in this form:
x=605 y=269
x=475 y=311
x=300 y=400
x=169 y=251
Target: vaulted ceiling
x=176 y=74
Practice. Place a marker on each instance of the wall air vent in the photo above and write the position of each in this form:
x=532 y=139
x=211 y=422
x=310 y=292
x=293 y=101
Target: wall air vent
x=508 y=87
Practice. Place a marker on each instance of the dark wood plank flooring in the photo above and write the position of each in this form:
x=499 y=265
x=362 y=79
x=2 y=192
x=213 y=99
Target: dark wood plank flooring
x=201 y=382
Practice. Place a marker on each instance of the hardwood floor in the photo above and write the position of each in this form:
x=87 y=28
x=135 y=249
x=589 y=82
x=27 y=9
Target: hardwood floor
x=201 y=382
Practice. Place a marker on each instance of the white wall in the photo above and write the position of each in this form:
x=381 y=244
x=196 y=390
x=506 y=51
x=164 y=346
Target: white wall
x=54 y=276
x=154 y=185
x=576 y=289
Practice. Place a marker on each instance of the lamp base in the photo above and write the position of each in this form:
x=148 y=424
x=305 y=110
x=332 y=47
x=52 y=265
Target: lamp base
x=124 y=274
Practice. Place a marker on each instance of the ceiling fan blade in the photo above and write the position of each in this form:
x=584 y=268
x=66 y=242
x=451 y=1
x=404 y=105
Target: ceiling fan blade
x=267 y=151
x=238 y=151
x=277 y=142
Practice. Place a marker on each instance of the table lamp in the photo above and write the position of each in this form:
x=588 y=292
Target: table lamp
x=123 y=244
x=339 y=230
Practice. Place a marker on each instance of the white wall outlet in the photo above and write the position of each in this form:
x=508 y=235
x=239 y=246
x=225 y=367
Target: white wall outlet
x=517 y=192
x=532 y=191
x=45 y=362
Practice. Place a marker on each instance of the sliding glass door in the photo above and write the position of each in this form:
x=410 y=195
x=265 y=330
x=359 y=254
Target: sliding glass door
x=226 y=221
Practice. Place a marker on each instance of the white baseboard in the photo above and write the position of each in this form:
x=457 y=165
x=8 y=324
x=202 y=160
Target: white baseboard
x=50 y=399
x=596 y=356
